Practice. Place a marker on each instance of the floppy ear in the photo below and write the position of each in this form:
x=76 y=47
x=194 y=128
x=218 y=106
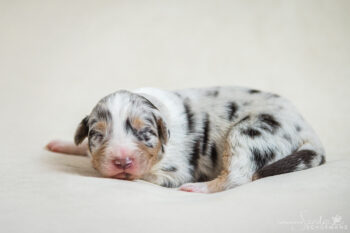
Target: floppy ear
x=163 y=132
x=82 y=131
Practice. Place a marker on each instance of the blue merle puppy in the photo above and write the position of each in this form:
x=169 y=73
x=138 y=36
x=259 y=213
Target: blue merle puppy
x=201 y=140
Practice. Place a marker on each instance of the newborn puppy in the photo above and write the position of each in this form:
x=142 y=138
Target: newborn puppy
x=204 y=140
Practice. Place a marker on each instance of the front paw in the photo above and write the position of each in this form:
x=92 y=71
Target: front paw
x=195 y=187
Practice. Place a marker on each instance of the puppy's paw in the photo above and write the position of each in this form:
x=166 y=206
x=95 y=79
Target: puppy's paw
x=56 y=146
x=66 y=147
x=195 y=187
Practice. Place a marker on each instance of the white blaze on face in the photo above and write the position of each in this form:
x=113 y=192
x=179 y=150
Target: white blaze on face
x=120 y=140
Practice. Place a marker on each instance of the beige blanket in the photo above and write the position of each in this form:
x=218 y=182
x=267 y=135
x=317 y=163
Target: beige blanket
x=57 y=58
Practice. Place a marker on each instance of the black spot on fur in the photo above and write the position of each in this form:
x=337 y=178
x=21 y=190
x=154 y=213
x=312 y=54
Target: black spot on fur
x=169 y=169
x=269 y=123
x=251 y=132
x=190 y=116
x=130 y=128
x=168 y=184
x=244 y=119
x=148 y=103
x=104 y=115
x=194 y=156
x=213 y=154
x=254 y=91
x=323 y=160
x=202 y=178
x=306 y=156
x=287 y=164
x=287 y=137
x=162 y=131
x=178 y=95
x=298 y=128
x=154 y=118
x=151 y=121
x=261 y=158
x=232 y=109
x=206 y=132
x=213 y=93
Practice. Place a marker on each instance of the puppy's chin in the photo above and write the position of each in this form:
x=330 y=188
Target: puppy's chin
x=128 y=174
x=121 y=175
x=124 y=176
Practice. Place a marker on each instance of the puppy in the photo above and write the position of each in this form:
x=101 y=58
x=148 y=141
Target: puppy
x=201 y=140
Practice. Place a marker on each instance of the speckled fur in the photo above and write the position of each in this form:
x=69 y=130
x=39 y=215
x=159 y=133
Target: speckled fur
x=210 y=139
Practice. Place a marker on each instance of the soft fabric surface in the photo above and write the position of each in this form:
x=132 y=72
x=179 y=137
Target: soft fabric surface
x=58 y=58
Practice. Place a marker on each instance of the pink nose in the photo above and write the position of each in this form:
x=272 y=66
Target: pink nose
x=123 y=163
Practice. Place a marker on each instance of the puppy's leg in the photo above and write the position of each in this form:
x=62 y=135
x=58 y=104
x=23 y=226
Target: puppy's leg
x=237 y=170
x=67 y=147
x=256 y=149
x=250 y=145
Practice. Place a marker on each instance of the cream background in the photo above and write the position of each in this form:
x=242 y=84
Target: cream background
x=58 y=58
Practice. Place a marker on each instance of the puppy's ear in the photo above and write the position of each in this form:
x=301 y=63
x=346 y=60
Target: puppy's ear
x=162 y=129
x=82 y=131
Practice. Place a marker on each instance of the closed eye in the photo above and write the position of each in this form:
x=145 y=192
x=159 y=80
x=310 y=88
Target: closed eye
x=95 y=135
x=147 y=135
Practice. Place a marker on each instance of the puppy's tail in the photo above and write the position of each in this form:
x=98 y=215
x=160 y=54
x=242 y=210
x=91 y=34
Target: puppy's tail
x=301 y=159
x=65 y=147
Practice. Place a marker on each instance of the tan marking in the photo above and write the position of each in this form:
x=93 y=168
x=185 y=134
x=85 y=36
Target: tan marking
x=101 y=126
x=137 y=123
x=150 y=153
x=255 y=176
x=219 y=184
x=164 y=134
x=98 y=155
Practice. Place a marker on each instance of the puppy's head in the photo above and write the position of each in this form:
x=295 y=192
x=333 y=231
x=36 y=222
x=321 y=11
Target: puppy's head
x=126 y=135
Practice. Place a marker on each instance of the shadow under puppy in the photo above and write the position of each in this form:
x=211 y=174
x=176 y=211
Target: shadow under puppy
x=203 y=140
